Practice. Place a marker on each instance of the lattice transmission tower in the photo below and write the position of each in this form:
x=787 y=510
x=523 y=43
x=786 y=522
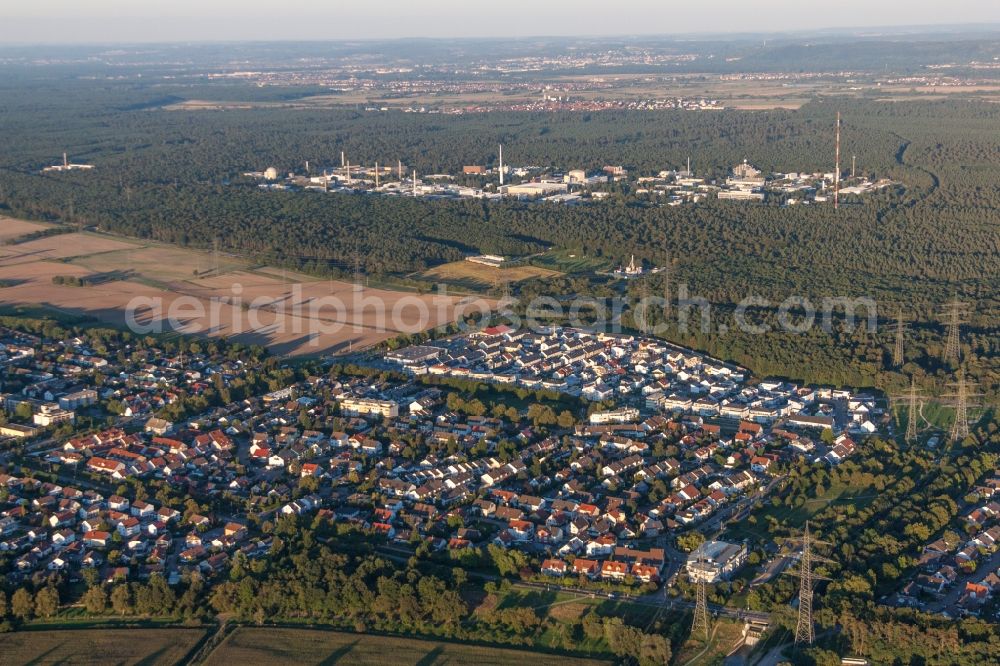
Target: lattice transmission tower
x=836 y=173
x=359 y=284
x=667 y=286
x=699 y=625
x=913 y=411
x=805 y=632
x=642 y=310
x=897 y=350
x=960 y=428
x=955 y=314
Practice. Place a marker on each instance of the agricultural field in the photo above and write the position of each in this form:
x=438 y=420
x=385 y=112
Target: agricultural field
x=65 y=247
x=477 y=277
x=107 y=647
x=162 y=264
x=11 y=228
x=734 y=93
x=302 y=646
x=292 y=314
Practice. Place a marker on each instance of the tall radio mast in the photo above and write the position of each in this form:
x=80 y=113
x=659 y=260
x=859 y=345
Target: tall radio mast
x=836 y=175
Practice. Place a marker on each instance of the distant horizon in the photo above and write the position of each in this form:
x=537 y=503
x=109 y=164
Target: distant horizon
x=860 y=32
x=114 y=22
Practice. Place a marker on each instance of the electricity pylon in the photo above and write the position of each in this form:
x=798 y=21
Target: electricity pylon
x=700 y=623
x=358 y=282
x=955 y=314
x=805 y=632
x=667 y=268
x=897 y=351
x=643 y=308
x=912 y=412
x=960 y=428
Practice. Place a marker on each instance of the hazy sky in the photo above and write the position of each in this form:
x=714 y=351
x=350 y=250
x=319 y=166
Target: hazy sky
x=200 y=20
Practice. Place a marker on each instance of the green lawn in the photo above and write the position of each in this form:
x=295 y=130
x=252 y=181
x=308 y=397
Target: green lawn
x=795 y=516
x=556 y=608
x=932 y=417
x=725 y=634
x=570 y=261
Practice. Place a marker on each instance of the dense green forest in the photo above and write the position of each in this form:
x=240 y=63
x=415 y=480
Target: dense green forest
x=174 y=176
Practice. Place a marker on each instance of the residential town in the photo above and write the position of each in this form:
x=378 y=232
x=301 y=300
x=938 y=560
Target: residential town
x=959 y=573
x=674 y=440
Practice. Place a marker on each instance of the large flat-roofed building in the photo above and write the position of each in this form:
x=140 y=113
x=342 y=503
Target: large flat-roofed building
x=534 y=189
x=713 y=561
x=367 y=407
x=52 y=415
x=741 y=195
x=413 y=355
x=15 y=430
x=77 y=399
x=806 y=421
x=491 y=260
x=623 y=415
